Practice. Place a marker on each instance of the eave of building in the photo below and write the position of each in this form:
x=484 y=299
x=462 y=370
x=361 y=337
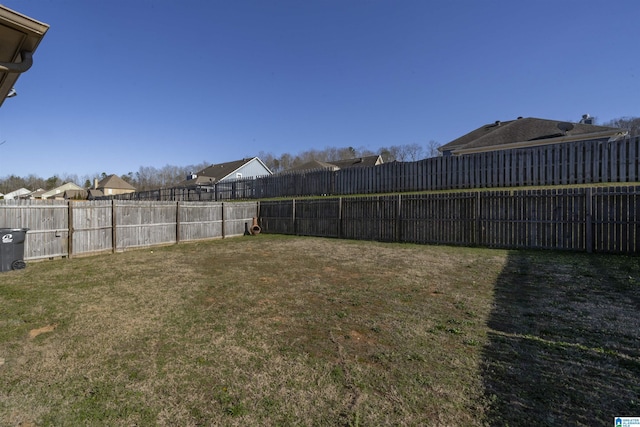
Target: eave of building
x=20 y=35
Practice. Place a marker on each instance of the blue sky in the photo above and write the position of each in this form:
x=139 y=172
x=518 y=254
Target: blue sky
x=118 y=84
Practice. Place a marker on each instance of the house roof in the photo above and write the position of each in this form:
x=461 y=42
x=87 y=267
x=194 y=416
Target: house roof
x=37 y=193
x=76 y=194
x=218 y=172
x=527 y=132
x=313 y=164
x=339 y=164
x=114 y=181
x=20 y=37
x=358 y=162
x=17 y=193
x=93 y=193
x=59 y=191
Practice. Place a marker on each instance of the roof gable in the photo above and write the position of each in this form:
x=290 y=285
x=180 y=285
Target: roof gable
x=219 y=172
x=114 y=181
x=17 y=193
x=60 y=190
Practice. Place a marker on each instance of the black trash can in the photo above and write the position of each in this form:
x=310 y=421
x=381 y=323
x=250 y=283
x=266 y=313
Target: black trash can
x=12 y=248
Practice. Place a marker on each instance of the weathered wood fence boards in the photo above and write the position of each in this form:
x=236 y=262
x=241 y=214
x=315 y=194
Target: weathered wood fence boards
x=61 y=228
x=601 y=219
x=588 y=162
x=47 y=223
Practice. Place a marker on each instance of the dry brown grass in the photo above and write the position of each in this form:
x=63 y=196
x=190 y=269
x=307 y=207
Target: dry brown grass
x=273 y=330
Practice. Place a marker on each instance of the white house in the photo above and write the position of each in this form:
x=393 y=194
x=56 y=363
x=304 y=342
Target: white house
x=58 y=192
x=225 y=172
x=16 y=194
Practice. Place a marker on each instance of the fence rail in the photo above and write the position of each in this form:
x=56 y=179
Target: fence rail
x=598 y=219
x=586 y=162
x=65 y=229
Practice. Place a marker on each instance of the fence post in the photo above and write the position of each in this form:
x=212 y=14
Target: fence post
x=113 y=226
x=293 y=217
x=589 y=220
x=70 y=227
x=178 y=222
x=478 y=211
x=399 y=219
x=339 y=217
x=222 y=217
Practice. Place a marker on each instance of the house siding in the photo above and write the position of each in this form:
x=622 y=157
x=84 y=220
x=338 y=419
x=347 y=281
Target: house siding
x=252 y=169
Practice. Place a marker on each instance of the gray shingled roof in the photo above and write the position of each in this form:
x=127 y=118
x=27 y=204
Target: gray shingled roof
x=215 y=173
x=313 y=165
x=519 y=130
x=338 y=164
x=357 y=162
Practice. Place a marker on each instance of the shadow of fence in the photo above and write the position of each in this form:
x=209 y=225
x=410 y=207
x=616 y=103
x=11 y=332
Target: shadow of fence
x=564 y=341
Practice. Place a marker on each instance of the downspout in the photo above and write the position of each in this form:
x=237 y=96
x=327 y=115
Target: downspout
x=18 y=67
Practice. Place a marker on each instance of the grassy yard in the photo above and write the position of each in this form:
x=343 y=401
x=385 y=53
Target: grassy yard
x=275 y=330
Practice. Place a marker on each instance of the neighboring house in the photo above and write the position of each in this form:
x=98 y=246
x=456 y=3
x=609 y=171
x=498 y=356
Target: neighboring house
x=226 y=172
x=37 y=194
x=75 y=194
x=58 y=192
x=338 y=164
x=16 y=194
x=528 y=132
x=112 y=185
x=93 y=194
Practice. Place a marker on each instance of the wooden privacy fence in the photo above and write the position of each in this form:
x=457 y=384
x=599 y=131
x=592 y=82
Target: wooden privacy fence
x=585 y=162
x=599 y=219
x=62 y=228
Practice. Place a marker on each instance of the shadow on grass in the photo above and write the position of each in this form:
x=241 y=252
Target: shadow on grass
x=564 y=340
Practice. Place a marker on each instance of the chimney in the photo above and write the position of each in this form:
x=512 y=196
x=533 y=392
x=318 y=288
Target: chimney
x=95 y=183
x=586 y=119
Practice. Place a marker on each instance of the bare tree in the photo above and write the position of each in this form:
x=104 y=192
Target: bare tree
x=632 y=124
x=414 y=152
x=432 y=149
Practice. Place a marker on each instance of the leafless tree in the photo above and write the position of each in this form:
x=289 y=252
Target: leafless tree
x=632 y=124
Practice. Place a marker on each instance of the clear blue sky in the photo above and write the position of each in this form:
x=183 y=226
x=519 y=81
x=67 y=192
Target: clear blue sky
x=120 y=84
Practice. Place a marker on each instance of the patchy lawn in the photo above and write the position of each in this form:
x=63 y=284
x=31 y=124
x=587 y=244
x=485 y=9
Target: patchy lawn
x=275 y=330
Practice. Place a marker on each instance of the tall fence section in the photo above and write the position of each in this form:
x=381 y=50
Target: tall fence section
x=591 y=219
x=599 y=219
x=585 y=162
x=65 y=229
x=463 y=212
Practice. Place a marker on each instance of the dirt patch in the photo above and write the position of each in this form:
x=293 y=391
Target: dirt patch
x=35 y=332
